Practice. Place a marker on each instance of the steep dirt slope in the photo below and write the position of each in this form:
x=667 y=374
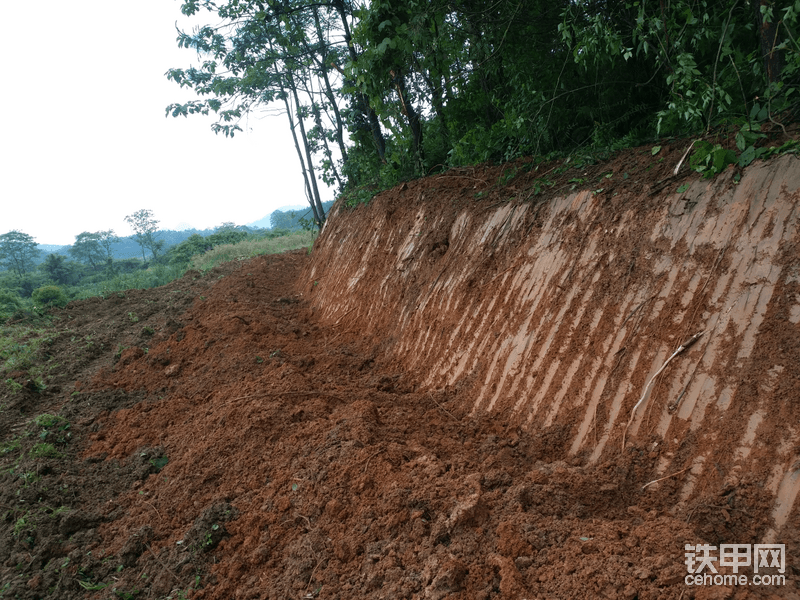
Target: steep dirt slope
x=432 y=403
x=558 y=314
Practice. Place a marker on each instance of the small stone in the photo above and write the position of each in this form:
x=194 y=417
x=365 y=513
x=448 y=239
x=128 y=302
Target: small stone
x=589 y=548
x=523 y=562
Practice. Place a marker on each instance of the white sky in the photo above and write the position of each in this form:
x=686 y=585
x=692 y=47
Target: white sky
x=85 y=140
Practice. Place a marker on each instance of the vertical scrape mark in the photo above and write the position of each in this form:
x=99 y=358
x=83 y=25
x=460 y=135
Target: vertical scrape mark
x=786 y=496
x=694 y=473
x=745 y=445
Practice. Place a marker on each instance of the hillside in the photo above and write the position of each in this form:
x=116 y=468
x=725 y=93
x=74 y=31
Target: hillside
x=516 y=381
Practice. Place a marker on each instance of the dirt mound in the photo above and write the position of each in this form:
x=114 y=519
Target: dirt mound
x=261 y=443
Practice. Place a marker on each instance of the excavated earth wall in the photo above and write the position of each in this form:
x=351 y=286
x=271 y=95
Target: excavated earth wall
x=525 y=381
x=566 y=316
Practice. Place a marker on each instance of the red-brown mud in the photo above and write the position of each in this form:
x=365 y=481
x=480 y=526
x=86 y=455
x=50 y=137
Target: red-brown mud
x=259 y=446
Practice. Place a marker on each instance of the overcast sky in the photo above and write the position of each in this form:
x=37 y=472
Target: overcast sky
x=85 y=140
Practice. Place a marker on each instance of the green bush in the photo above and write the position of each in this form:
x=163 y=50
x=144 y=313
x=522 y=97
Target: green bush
x=44 y=450
x=9 y=304
x=49 y=295
x=196 y=244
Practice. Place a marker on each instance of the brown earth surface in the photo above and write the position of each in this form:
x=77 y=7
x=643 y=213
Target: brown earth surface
x=227 y=439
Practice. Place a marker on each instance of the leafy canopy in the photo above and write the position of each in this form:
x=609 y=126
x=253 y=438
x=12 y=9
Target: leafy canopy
x=18 y=252
x=386 y=90
x=145 y=226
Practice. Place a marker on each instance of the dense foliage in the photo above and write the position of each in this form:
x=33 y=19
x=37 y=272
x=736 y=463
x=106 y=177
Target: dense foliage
x=294 y=220
x=379 y=91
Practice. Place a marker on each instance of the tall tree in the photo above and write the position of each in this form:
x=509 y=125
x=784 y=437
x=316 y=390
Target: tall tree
x=144 y=227
x=88 y=249
x=260 y=54
x=107 y=238
x=362 y=110
x=386 y=63
x=18 y=252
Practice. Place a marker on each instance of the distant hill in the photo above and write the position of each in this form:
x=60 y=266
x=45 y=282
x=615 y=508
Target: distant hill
x=52 y=249
x=291 y=218
x=266 y=222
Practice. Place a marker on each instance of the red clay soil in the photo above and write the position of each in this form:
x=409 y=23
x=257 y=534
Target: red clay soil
x=247 y=450
x=315 y=473
x=321 y=475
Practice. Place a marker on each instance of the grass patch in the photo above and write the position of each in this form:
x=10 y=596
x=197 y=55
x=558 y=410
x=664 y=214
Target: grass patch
x=54 y=429
x=18 y=347
x=140 y=280
x=10 y=446
x=48 y=421
x=44 y=450
x=250 y=248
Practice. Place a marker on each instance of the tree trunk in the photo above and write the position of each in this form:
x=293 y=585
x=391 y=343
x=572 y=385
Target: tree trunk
x=309 y=195
x=318 y=120
x=413 y=119
x=316 y=203
x=329 y=90
x=362 y=102
x=768 y=37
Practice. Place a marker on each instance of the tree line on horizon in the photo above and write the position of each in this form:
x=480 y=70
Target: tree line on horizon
x=25 y=274
x=381 y=91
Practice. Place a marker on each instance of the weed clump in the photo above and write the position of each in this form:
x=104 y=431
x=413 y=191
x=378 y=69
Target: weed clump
x=49 y=295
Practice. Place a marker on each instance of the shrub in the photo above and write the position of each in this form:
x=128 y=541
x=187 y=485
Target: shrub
x=9 y=304
x=49 y=295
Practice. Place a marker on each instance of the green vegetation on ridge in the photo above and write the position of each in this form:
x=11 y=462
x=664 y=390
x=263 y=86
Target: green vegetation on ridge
x=56 y=281
x=378 y=92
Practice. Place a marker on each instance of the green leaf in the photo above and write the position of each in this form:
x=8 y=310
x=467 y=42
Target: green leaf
x=386 y=43
x=700 y=155
x=655 y=150
x=683 y=188
x=747 y=156
x=721 y=159
x=159 y=463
